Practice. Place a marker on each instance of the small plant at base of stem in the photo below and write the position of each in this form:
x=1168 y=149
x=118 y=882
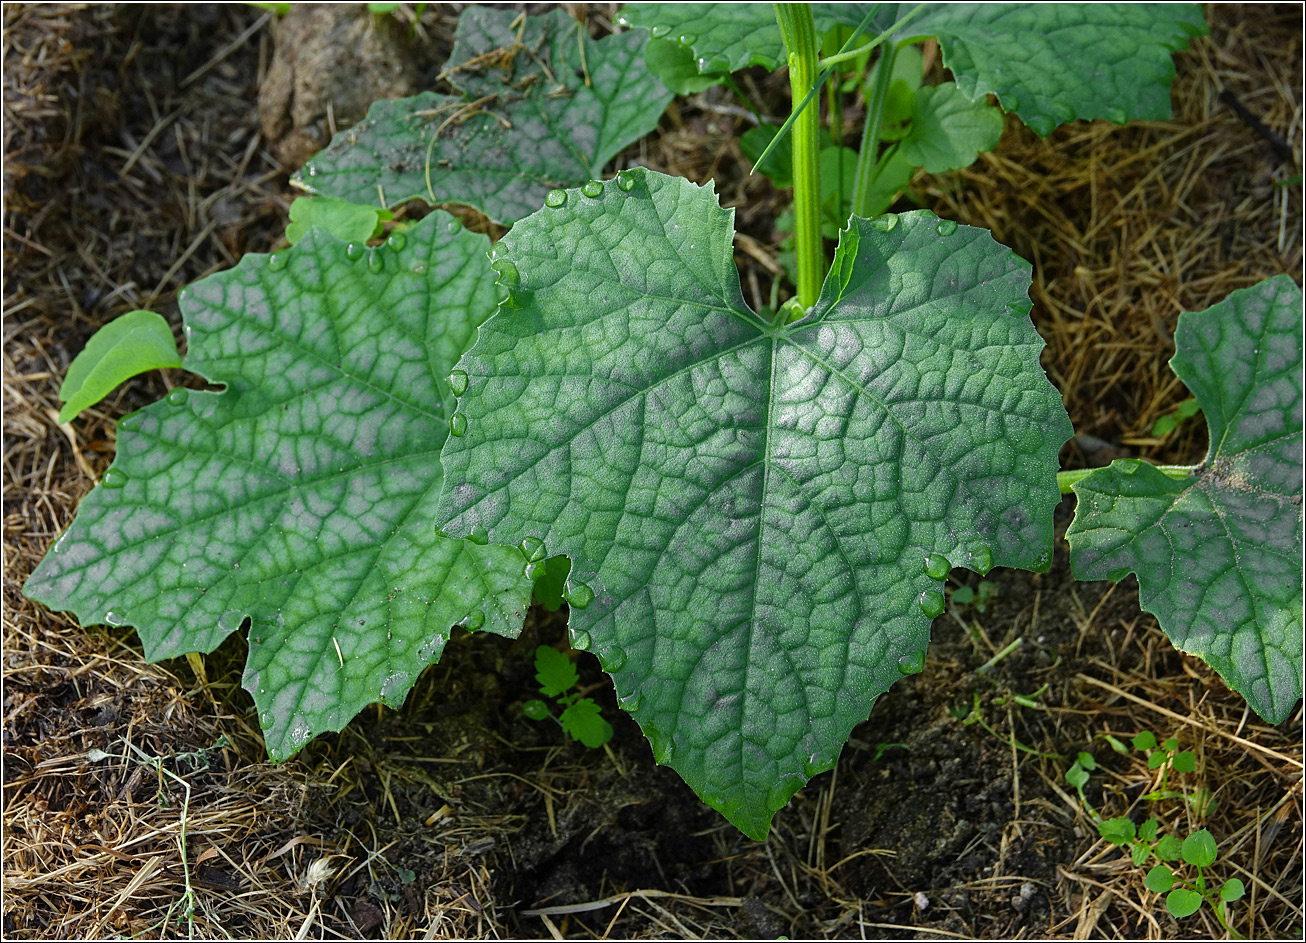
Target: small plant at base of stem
x=580 y=716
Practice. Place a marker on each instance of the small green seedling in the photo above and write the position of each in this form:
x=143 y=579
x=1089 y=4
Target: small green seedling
x=1170 y=421
x=1147 y=841
x=979 y=597
x=581 y=717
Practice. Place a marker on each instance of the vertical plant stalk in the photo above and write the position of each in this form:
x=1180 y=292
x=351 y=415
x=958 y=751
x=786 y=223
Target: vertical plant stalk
x=799 y=33
x=867 y=164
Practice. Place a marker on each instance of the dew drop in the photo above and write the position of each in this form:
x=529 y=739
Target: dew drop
x=592 y=189
x=1042 y=125
x=113 y=478
x=532 y=549
x=1116 y=115
x=419 y=268
x=937 y=566
x=375 y=264
x=397 y=241
x=1063 y=111
x=931 y=602
x=1018 y=309
x=114 y=618
x=473 y=620
x=815 y=765
x=454 y=225
x=556 y=198
x=688 y=39
x=626 y=181
x=631 y=704
x=1126 y=467
x=457 y=425
x=580 y=640
x=479 y=535
x=983 y=560
x=230 y=620
x=278 y=261
x=312 y=170
x=946 y=227
x=886 y=223
x=615 y=660
x=577 y=594
x=354 y=251
x=1011 y=104
x=658 y=32
x=508 y=274
x=266 y=720
x=662 y=746
x=129 y=422
x=529 y=570
x=458 y=382
x=912 y=663
x=178 y=397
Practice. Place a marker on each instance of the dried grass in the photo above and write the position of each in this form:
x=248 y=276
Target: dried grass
x=133 y=166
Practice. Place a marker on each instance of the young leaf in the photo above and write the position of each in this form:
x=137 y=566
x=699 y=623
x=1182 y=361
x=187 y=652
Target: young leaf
x=762 y=512
x=1118 y=831
x=1183 y=762
x=1159 y=880
x=1168 y=848
x=1218 y=555
x=948 y=131
x=1139 y=853
x=535 y=709
x=350 y=222
x=1049 y=63
x=1232 y=890
x=1147 y=831
x=584 y=722
x=1199 y=849
x=1145 y=741
x=301 y=497
x=550 y=109
x=554 y=671
x=1077 y=775
x=135 y=343
x=1181 y=902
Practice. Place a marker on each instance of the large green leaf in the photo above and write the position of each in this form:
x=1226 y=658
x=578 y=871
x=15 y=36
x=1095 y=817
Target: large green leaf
x=1049 y=63
x=302 y=497
x=542 y=105
x=1218 y=555
x=759 y=518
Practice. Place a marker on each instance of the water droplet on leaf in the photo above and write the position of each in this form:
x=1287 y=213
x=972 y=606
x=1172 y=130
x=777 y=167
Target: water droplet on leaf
x=631 y=704
x=479 y=535
x=983 y=560
x=626 y=181
x=657 y=32
x=508 y=274
x=458 y=382
x=946 y=227
x=886 y=223
x=615 y=660
x=1012 y=103
x=577 y=594
x=1042 y=125
x=931 y=602
x=397 y=241
x=278 y=261
x=375 y=264
x=266 y=720
x=592 y=189
x=114 y=618
x=178 y=397
x=354 y=252
x=556 y=198
x=457 y=425
x=912 y=663
x=230 y=620
x=473 y=620
x=129 y=422
x=454 y=225
x=580 y=640
x=937 y=566
x=1116 y=115
x=114 y=478
x=688 y=38
x=532 y=548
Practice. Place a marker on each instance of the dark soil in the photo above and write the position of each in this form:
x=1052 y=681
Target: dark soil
x=947 y=813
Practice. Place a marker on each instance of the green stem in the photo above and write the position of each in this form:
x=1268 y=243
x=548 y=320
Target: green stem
x=867 y=165
x=1067 y=478
x=799 y=34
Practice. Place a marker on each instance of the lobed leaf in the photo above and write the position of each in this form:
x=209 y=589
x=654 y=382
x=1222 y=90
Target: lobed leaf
x=1049 y=63
x=760 y=518
x=1218 y=555
x=540 y=105
x=301 y=498
x=948 y=130
x=127 y=346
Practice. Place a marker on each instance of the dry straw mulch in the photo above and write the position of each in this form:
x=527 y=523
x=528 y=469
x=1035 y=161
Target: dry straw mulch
x=136 y=801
